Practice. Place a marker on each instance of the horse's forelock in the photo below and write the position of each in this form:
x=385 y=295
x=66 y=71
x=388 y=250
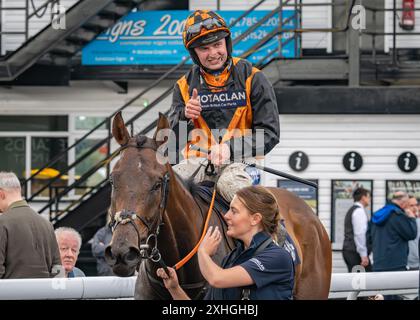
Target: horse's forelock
x=141 y=140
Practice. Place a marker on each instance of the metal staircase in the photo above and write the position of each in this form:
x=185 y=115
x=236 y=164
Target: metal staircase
x=53 y=46
x=88 y=212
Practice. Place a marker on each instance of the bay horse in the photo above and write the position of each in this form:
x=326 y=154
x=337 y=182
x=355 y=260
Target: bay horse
x=152 y=209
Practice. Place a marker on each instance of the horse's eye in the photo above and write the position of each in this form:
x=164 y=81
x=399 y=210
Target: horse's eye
x=157 y=186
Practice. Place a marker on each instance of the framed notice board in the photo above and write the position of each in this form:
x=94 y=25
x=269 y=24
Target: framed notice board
x=342 y=201
x=410 y=186
x=307 y=193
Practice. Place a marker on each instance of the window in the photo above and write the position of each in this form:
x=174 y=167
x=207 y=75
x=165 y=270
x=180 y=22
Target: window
x=90 y=161
x=43 y=150
x=13 y=151
x=33 y=123
x=88 y=122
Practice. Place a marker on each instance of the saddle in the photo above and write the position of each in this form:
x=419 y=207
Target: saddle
x=204 y=190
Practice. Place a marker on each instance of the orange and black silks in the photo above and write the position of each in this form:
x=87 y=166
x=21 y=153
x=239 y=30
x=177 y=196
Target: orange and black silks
x=257 y=110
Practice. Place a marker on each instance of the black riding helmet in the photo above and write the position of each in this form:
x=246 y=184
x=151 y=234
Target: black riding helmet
x=204 y=27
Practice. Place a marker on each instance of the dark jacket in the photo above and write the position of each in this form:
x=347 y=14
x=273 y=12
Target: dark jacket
x=28 y=246
x=391 y=230
x=348 y=243
x=262 y=100
x=272 y=271
x=100 y=241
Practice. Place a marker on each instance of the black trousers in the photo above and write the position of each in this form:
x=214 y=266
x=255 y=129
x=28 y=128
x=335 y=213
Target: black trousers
x=352 y=259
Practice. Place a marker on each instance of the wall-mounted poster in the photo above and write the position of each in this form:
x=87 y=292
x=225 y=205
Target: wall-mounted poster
x=410 y=186
x=307 y=193
x=341 y=202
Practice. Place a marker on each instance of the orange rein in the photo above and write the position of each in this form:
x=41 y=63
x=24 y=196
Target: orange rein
x=206 y=224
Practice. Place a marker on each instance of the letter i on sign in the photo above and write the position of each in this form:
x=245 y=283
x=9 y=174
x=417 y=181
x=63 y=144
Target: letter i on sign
x=352 y=161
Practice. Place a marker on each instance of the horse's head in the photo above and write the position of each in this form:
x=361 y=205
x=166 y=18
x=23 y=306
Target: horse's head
x=139 y=193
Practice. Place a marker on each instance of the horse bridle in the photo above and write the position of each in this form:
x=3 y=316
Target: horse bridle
x=147 y=251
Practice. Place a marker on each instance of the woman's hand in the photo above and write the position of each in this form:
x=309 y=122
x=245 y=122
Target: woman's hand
x=211 y=241
x=171 y=281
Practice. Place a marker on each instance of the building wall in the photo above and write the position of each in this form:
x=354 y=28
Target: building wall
x=380 y=139
x=14 y=21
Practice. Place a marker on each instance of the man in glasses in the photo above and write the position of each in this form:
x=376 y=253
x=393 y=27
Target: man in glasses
x=228 y=107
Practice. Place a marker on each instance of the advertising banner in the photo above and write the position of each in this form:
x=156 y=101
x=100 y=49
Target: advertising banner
x=155 y=38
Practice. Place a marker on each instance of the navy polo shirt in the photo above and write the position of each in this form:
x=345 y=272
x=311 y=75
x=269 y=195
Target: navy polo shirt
x=272 y=271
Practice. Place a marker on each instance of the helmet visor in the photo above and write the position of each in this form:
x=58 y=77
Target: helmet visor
x=195 y=29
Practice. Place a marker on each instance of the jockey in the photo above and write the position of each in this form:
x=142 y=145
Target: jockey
x=228 y=107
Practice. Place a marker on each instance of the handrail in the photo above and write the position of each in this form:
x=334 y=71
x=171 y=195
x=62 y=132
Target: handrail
x=394 y=33
x=368 y=283
x=107 y=120
x=35 y=11
x=28 y=16
x=134 y=118
x=242 y=36
x=155 y=83
x=98 y=145
x=129 y=122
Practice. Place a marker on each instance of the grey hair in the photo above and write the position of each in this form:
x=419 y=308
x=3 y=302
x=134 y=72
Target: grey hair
x=61 y=230
x=399 y=195
x=9 y=180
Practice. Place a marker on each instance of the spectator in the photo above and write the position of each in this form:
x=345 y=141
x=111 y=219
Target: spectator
x=355 y=251
x=100 y=241
x=28 y=248
x=391 y=229
x=413 y=245
x=69 y=243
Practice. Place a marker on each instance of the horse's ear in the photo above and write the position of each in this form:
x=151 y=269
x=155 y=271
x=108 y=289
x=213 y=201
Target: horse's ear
x=163 y=123
x=119 y=130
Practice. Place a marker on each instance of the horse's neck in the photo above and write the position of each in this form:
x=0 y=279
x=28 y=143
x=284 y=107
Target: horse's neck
x=182 y=226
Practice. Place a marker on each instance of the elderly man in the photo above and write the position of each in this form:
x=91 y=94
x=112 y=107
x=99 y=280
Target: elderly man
x=392 y=228
x=69 y=243
x=28 y=248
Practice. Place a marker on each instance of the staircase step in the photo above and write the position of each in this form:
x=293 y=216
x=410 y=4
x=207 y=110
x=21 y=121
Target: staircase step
x=116 y=9
x=55 y=59
x=82 y=35
x=130 y=1
x=66 y=47
x=98 y=22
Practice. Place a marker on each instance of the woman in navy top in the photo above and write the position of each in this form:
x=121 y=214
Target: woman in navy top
x=253 y=218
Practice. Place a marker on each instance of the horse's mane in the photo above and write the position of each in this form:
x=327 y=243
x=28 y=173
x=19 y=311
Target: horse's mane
x=188 y=184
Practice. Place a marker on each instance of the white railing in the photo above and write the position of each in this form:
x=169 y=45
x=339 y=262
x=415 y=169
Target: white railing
x=352 y=285
x=63 y=288
x=343 y=285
